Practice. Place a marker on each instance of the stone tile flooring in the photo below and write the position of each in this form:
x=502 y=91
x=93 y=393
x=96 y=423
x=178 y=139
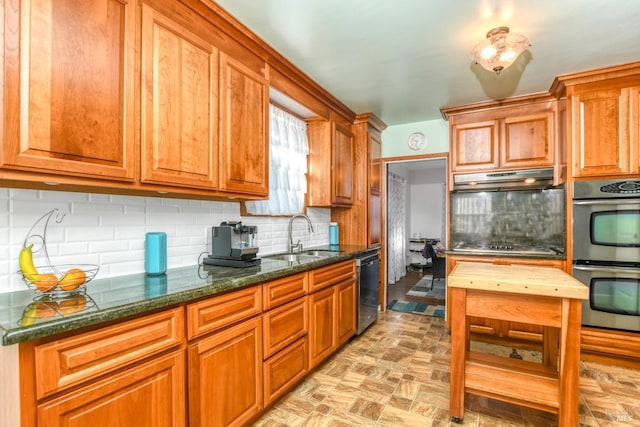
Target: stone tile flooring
x=397 y=374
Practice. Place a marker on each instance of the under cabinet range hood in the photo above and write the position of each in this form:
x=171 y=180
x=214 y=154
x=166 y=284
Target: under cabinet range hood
x=506 y=180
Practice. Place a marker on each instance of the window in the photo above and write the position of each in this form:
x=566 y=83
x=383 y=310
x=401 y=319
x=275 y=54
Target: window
x=288 y=150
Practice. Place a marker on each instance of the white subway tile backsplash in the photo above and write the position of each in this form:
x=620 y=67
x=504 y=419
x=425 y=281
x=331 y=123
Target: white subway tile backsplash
x=82 y=234
x=109 y=246
x=76 y=249
x=135 y=232
x=109 y=230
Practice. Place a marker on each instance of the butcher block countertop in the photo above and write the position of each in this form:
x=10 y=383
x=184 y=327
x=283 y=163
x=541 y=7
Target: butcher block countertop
x=518 y=279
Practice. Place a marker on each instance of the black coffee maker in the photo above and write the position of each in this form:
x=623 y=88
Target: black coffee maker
x=233 y=245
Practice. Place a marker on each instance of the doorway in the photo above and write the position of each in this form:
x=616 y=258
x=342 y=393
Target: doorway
x=411 y=222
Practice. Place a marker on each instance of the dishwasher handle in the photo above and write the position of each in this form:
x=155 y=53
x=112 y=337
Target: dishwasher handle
x=368 y=260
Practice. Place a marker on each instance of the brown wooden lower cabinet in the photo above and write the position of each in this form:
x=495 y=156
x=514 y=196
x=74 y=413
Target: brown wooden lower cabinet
x=237 y=353
x=286 y=347
x=283 y=370
x=322 y=334
x=225 y=376
x=610 y=347
x=148 y=395
x=345 y=311
x=332 y=320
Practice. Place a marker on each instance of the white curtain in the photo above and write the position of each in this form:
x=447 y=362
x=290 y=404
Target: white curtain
x=396 y=218
x=288 y=150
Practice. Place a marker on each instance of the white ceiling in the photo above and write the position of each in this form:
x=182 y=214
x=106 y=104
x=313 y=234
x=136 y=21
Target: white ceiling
x=403 y=60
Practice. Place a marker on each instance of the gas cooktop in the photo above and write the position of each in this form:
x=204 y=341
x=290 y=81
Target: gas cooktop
x=508 y=248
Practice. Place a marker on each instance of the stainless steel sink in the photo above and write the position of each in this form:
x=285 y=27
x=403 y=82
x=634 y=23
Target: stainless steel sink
x=305 y=256
x=324 y=253
x=300 y=258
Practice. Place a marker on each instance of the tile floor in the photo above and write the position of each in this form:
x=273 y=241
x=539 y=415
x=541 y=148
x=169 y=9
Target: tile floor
x=397 y=374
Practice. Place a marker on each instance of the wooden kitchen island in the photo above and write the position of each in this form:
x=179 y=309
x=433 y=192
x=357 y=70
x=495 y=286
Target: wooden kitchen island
x=536 y=295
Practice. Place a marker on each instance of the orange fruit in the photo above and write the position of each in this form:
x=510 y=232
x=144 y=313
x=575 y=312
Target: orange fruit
x=73 y=278
x=46 y=309
x=73 y=304
x=45 y=282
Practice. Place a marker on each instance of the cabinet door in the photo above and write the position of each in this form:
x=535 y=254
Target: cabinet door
x=322 y=334
x=528 y=141
x=179 y=107
x=375 y=219
x=244 y=129
x=601 y=133
x=345 y=311
x=342 y=166
x=225 y=376
x=375 y=166
x=148 y=395
x=375 y=188
x=69 y=87
x=634 y=128
x=474 y=146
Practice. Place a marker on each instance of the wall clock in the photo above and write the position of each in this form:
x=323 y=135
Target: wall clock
x=417 y=141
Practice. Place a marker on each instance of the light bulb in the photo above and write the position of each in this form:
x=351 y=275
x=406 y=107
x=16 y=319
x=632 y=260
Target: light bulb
x=488 y=52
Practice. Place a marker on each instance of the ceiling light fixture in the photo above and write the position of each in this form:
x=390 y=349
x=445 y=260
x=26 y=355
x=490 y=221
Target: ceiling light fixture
x=500 y=49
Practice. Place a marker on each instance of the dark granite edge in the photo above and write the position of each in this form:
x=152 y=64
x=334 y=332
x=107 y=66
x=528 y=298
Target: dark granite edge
x=220 y=286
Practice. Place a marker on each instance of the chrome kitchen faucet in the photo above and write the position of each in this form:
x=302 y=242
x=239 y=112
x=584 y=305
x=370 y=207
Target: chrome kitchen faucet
x=297 y=246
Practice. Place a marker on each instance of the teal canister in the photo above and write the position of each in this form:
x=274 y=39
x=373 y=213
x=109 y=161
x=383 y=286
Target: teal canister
x=155 y=285
x=155 y=255
x=334 y=234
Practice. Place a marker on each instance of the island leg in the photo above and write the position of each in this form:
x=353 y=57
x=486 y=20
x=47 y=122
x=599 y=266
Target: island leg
x=569 y=374
x=459 y=347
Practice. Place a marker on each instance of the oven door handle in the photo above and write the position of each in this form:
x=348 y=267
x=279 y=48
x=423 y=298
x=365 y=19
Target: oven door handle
x=607 y=202
x=600 y=269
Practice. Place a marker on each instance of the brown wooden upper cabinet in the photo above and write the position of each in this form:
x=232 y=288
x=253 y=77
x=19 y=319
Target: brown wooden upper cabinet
x=76 y=94
x=69 y=88
x=204 y=112
x=603 y=123
x=244 y=128
x=519 y=134
x=331 y=162
x=180 y=80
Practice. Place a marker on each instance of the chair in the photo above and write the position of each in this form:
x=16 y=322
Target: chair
x=439 y=265
x=439 y=268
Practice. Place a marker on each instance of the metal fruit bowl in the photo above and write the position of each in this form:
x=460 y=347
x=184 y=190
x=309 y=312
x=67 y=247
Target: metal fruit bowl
x=58 y=280
x=46 y=307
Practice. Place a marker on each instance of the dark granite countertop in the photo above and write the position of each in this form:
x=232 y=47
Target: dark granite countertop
x=119 y=297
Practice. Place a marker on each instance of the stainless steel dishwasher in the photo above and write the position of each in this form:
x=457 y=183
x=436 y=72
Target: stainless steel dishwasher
x=368 y=270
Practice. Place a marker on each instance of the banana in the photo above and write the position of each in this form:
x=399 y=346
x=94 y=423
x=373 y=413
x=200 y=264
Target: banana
x=26 y=263
x=29 y=316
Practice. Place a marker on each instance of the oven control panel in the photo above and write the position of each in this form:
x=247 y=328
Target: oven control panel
x=603 y=189
x=623 y=187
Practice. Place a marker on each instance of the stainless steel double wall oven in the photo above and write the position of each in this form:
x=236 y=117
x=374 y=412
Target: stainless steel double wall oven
x=606 y=251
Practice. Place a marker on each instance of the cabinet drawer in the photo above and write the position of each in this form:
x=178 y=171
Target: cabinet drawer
x=69 y=361
x=148 y=395
x=284 y=369
x=218 y=312
x=283 y=290
x=331 y=274
x=284 y=325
